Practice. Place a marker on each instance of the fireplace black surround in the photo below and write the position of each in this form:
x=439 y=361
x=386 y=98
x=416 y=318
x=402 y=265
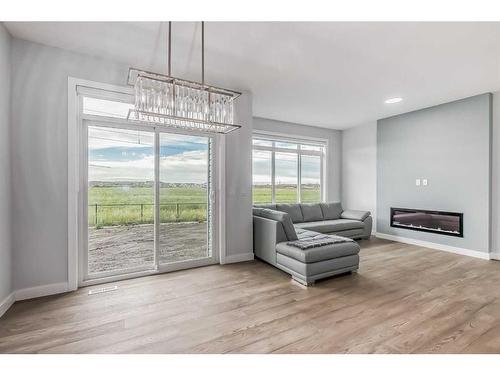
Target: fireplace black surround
x=441 y=222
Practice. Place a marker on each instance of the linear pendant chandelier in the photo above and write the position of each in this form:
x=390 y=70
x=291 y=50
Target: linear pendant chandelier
x=177 y=103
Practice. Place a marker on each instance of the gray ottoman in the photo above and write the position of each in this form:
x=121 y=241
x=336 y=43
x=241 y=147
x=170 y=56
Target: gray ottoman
x=307 y=266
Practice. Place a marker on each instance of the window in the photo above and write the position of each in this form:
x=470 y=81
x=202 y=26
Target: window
x=287 y=170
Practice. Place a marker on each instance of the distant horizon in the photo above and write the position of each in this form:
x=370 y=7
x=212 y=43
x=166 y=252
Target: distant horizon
x=142 y=182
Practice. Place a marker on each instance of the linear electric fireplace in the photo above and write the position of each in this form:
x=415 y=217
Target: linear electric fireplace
x=447 y=223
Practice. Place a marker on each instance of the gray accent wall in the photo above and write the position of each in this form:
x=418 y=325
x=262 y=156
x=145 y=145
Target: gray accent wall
x=334 y=157
x=450 y=146
x=5 y=168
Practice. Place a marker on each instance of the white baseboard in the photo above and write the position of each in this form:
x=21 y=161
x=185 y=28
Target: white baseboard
x=7 y=303
x=41 y=291
x=244 y=257
x=436 y=246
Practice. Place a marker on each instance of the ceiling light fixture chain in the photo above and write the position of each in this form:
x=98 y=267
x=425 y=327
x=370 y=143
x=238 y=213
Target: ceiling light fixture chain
x=203 y=53
x=178 y=103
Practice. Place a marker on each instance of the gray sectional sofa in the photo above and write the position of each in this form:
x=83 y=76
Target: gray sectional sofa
x=280 y=228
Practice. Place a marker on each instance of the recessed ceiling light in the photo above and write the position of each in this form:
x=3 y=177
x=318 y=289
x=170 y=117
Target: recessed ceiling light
x=393 y=100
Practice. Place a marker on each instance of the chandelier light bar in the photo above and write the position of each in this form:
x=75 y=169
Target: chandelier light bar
x=177 y=103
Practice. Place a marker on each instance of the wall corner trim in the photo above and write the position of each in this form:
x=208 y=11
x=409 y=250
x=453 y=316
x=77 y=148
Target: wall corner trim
x=244 y=257
x=436 y=246
x=7 y=303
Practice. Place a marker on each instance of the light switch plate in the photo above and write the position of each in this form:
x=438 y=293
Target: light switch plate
x=424 y=182
x=417 y=182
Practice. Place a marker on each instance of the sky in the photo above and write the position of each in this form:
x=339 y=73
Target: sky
x=125 y=155
x=286 y=168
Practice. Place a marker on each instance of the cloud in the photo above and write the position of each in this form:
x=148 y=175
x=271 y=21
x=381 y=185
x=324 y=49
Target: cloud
x=141 y=169
x=186 y=167
x=286 y=169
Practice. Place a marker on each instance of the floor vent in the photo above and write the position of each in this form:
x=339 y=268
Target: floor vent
x=103 y=290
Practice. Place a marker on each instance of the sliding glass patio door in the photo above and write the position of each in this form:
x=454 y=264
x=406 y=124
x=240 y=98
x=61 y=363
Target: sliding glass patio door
x=184 y=196
x=120 y=201
x=148 y=198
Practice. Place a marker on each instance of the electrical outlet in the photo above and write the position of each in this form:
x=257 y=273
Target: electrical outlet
x=417 y=182
x=424 y=182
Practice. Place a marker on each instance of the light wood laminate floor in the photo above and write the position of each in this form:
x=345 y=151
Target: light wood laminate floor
x=404 y=299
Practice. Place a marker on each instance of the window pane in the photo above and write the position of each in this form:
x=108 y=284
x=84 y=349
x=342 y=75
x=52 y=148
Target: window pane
x=286 y=178
x=262 y=185
x=184 y=206
x=262 y=142
x=120 y=199
x=291 y=146
x=310 y=189
x=108 y=108
x=311 y=148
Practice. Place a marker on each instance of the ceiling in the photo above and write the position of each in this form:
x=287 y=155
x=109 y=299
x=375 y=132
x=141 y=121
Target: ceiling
x=329 y=74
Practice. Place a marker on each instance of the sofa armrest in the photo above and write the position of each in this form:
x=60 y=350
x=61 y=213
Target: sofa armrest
x=367 y=231
x=282 y=217
x=355 y=215
x=266 y=234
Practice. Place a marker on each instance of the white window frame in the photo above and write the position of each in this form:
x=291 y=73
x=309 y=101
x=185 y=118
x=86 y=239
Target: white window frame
x=279 y=137
x=77 y=87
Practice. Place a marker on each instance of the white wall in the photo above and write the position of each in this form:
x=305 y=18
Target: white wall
x=359 y=168
x=334 y=157
x=5 y=171
x=39 y=161
x=39 y=158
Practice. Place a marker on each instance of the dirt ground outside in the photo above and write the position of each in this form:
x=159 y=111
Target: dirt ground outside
x=129 y=246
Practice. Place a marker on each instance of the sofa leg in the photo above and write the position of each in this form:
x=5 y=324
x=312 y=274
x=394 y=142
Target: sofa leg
x=302 y=282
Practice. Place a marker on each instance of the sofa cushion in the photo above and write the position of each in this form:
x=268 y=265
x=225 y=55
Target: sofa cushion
x=318 y=254
x=350 y=233
x=266 y=205
x=280 y=216
x=311 y=212
x=303 y=234
x=293 y=210
x=331 y=211
x=355 y=215
x=331 y=226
